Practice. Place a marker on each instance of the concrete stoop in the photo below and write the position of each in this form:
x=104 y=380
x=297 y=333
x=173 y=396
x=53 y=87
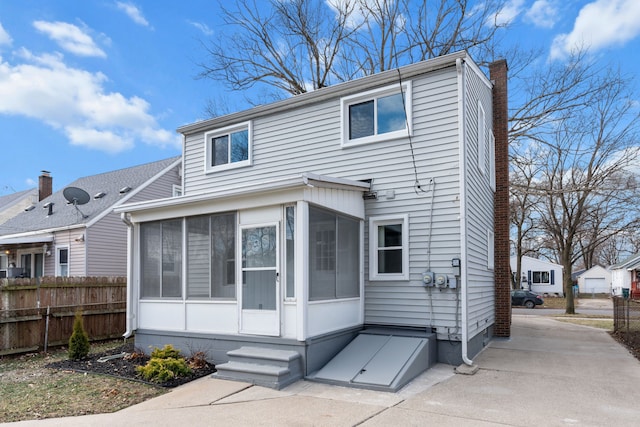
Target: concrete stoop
x=261 y=366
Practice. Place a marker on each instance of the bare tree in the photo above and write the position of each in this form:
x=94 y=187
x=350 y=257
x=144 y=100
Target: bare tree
x=585 y=181
x=522 y=208
x=296 y=46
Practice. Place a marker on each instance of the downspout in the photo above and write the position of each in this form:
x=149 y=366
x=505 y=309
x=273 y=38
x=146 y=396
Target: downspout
x=462 y=104
x=130 y=316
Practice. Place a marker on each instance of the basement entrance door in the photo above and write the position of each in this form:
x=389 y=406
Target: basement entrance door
x=260 y=294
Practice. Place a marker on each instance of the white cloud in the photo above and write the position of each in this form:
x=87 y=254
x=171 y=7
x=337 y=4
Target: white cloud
x=356 y=17
x=543 y=14
x=5 y=38
x=509 y=12
x=70 y=37
x=202 y=27
x=600 y=24
x=75 y=102
x=133 y=12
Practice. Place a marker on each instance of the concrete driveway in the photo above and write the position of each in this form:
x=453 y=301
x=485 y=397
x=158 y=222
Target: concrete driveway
x=549 y=373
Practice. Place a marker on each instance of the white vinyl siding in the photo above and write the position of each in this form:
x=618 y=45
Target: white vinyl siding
x=479 y=206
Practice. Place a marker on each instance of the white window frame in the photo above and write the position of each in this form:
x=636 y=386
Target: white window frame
x=490 y=249
x=58 y=249
x=176 y=190
x=228 y=130
x=482 y=139
x=346 y=101
x=374 y=222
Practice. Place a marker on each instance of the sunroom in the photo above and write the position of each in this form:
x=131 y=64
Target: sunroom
x=281 y=259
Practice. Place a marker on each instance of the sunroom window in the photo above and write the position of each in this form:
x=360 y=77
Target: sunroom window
x=334 y=255
x=228 y=147
x=377 y=115
x=211 y=252
x=161 y=259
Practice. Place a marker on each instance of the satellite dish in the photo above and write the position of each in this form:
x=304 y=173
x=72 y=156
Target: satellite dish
x=76 y=196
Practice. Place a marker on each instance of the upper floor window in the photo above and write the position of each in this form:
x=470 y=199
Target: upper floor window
x=376 y=115
x=482 y=139
x=229 y=147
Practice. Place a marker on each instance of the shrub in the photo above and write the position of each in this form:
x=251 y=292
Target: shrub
x=164 y=365
x=79 y=340
x=166 y=352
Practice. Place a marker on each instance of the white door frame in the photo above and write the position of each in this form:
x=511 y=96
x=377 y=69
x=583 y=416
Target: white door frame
x=253 y=321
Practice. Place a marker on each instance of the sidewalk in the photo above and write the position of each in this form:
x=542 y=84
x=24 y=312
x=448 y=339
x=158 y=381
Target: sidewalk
x=549 y=373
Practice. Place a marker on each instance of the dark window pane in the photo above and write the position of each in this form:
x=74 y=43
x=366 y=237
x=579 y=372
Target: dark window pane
x=389 y=235
x=390 y=261
x=239 y=146
x=391 y=115
x=361 y=120
x=220 y=150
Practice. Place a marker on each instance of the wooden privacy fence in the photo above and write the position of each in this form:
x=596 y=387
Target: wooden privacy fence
x=39 y=313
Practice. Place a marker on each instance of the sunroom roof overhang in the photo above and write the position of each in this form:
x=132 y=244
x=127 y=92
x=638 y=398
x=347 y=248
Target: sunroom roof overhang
x=290 y=189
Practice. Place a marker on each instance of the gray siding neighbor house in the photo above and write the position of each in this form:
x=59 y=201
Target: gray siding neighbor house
x=52 y=237
x=332 y=233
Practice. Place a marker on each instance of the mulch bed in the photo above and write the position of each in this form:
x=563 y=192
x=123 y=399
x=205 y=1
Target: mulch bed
x=125 y=367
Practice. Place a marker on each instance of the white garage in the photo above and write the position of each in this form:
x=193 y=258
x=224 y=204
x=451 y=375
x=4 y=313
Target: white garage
x=596 y=280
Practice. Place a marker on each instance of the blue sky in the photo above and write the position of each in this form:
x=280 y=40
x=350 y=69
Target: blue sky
x=97 y=85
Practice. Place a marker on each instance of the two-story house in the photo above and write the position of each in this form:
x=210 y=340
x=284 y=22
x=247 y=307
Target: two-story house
x=357 y=217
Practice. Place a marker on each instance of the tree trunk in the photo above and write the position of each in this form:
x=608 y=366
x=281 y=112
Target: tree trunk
x=568 y=284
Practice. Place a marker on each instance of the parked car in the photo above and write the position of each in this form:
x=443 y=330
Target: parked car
x=526 y=298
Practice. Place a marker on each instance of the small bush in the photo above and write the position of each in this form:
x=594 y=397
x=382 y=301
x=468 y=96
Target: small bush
x=164 y=365
x=79 y=340
x=198 y=360
x=166 y=352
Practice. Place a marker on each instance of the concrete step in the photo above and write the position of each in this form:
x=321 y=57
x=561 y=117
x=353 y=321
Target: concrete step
x=266 y=367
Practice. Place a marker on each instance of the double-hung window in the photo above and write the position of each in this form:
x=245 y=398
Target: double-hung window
x=62 y=261
x=377 y=115
x=389 y=248
x=228 y=147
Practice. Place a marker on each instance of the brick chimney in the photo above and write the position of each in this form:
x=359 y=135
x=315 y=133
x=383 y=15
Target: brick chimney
x=498 y=75
x=45 y=185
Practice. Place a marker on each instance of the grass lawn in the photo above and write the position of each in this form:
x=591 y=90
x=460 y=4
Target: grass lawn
x=31 y=391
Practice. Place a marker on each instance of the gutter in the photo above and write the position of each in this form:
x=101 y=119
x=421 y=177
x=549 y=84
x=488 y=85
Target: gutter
x=130 y=315
x=462 y=104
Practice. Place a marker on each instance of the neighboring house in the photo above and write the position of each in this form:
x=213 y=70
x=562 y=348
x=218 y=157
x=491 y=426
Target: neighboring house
x=55 y=238
x=596 y=280
x=12 y=204
x=360 y=214
x=539 y=276
x=626 y=275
